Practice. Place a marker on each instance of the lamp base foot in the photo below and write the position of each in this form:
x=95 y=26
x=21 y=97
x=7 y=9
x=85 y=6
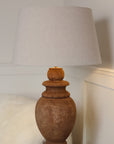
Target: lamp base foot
x=48 y=142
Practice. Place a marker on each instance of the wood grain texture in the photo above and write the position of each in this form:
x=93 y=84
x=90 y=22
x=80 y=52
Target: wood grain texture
x=55 y=110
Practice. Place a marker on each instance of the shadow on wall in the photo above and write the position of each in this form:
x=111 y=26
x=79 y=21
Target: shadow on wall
x=103 y=34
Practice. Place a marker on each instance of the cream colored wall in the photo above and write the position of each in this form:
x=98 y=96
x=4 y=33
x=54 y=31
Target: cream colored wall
x=100 y=115
x=99 y=106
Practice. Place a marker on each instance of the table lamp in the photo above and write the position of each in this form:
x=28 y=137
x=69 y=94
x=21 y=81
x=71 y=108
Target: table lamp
x=56 y=36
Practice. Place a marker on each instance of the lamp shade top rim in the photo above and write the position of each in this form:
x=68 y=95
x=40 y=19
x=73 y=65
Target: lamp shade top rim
x=57 y=7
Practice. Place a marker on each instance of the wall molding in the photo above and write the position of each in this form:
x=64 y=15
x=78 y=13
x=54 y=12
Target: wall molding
x=99 y=88
x=102 y=77
x=99 y=76
x=12 y=70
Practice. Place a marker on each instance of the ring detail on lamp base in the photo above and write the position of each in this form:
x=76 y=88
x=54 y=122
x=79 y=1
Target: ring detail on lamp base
x=55 y=111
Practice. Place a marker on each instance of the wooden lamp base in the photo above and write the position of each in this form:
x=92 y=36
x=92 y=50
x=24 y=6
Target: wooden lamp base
x=55 y=111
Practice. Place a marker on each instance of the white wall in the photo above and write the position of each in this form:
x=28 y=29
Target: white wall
x=100 y=115
x=99 y=104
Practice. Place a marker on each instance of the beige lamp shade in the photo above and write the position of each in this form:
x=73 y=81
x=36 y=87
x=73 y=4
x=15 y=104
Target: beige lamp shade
x=57 y=36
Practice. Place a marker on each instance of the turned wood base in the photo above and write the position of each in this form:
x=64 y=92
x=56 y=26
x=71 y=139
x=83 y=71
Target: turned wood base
x=47 y=142
x=55 y=111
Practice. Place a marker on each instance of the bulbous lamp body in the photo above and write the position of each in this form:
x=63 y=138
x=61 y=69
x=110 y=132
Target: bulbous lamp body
x=55 y=110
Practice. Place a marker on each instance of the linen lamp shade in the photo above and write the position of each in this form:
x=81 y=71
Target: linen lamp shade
x=56 y=36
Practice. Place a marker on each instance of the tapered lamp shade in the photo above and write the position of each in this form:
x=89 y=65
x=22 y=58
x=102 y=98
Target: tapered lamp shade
x=57 y=36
